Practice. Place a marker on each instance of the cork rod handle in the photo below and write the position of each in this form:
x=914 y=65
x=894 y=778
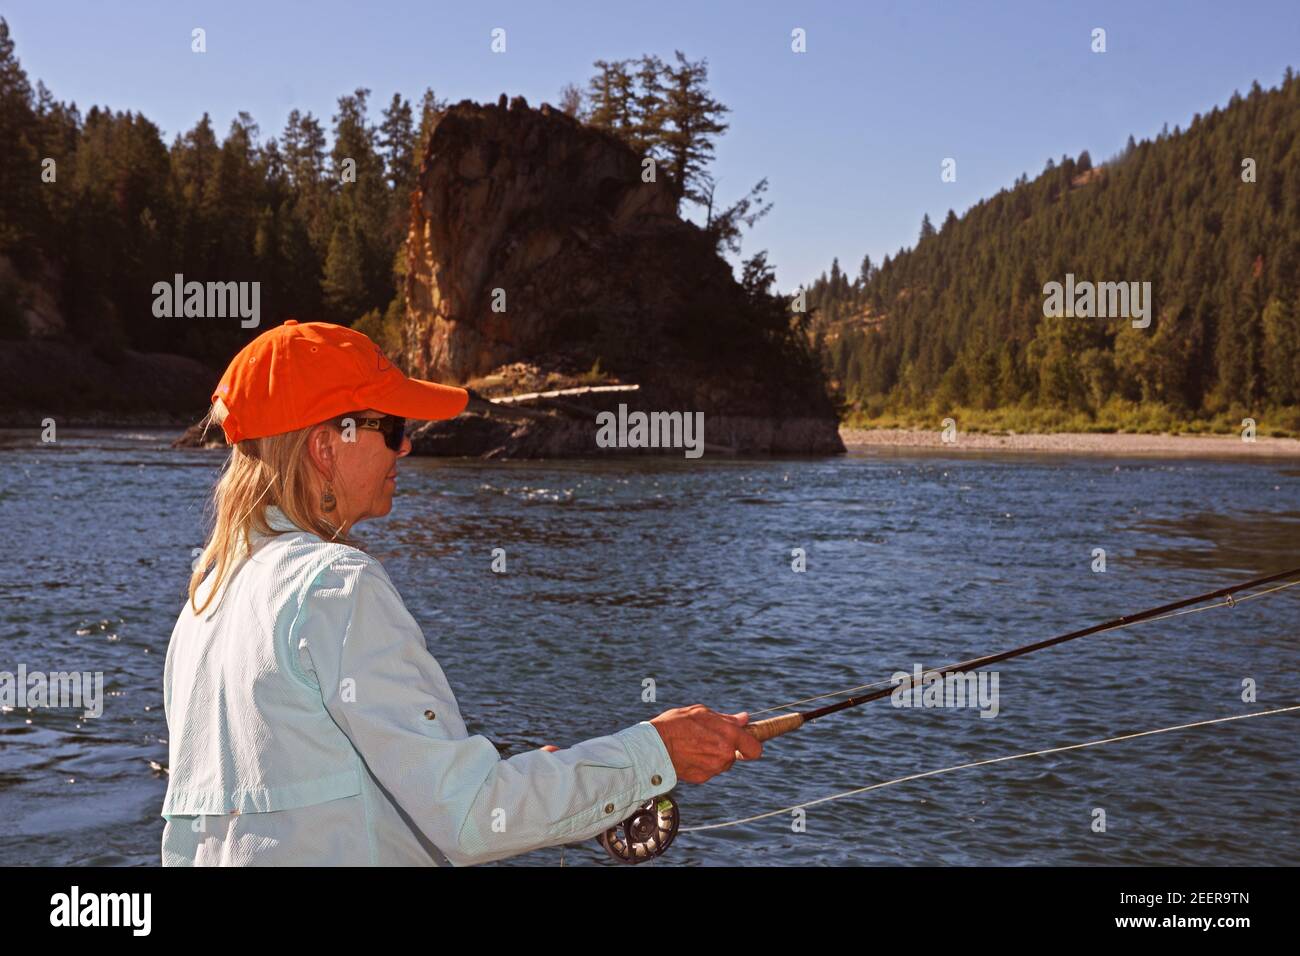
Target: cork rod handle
x=773 y=727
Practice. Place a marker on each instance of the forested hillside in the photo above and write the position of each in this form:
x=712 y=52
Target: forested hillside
x=957 y=322
x=96 y=208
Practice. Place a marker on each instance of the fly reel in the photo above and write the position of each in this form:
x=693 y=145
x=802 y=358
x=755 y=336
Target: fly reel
x=645 y=834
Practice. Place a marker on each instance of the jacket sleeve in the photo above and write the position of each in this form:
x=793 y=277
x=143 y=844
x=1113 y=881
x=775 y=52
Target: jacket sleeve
x=358 y=643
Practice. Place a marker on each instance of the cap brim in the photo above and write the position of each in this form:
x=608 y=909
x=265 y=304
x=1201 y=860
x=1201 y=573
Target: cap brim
x=425 y=401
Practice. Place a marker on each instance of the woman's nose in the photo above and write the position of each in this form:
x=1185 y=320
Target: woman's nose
x=406 y=447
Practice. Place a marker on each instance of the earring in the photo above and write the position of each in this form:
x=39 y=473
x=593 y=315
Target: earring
x=327 y=500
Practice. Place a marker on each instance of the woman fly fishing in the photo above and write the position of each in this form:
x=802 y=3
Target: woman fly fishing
x=308 y=722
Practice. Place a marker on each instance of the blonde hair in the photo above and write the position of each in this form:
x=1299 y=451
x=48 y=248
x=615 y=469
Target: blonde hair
x=259 y=473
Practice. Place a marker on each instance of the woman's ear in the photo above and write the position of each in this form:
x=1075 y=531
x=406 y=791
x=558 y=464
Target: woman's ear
x=320 y=448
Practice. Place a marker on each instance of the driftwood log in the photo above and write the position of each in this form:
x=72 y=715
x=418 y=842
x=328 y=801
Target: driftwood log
x=559 y=401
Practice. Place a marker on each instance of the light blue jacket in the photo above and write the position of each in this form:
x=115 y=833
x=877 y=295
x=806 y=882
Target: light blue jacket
x=309 y=724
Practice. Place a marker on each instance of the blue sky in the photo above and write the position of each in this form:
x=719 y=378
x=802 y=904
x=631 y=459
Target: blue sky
x=850 y=134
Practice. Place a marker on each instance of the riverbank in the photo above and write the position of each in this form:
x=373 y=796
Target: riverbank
x=78 y=387
x=1074 y=443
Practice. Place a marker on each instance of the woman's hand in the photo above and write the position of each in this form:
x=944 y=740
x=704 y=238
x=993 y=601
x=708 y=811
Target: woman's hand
x=702 y=743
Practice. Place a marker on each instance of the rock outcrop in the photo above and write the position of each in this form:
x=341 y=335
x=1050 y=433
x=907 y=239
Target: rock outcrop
x=534 y=243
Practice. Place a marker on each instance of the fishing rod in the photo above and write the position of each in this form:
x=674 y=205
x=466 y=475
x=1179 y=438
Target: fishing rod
x=651 y=828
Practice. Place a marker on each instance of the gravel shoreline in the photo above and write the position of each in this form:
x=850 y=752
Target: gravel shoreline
x=1074 y=443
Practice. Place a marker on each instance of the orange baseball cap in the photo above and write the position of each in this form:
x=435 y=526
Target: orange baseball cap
x=301 y=374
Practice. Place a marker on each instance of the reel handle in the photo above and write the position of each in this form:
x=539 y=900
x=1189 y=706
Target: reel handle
x=773 y=727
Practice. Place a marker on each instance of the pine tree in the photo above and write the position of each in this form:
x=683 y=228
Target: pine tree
x=397 y=144
x=649 y=110
x=21 y=204
x=1281 y=351
x=571 y=101
x=612 y=98
x=362 y=206
x=866 y=271
x=343 y=282
x=695 y=122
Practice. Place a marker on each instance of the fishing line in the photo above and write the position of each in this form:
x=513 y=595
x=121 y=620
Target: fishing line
x=652 y=826
x=983 y=763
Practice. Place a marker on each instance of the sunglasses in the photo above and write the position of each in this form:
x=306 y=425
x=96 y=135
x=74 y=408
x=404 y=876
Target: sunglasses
x=393 y=427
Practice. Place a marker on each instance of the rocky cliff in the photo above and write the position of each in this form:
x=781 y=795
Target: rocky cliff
x=538 y=258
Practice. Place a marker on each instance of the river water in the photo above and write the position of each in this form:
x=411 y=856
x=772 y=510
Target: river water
x=680 y=572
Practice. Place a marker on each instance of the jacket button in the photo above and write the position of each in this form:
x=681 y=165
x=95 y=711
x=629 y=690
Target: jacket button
x=429 y=715
x=656 y=780
x=609 y=808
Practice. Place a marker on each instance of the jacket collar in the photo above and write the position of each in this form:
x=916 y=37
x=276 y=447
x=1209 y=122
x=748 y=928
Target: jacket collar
x=278 y=520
